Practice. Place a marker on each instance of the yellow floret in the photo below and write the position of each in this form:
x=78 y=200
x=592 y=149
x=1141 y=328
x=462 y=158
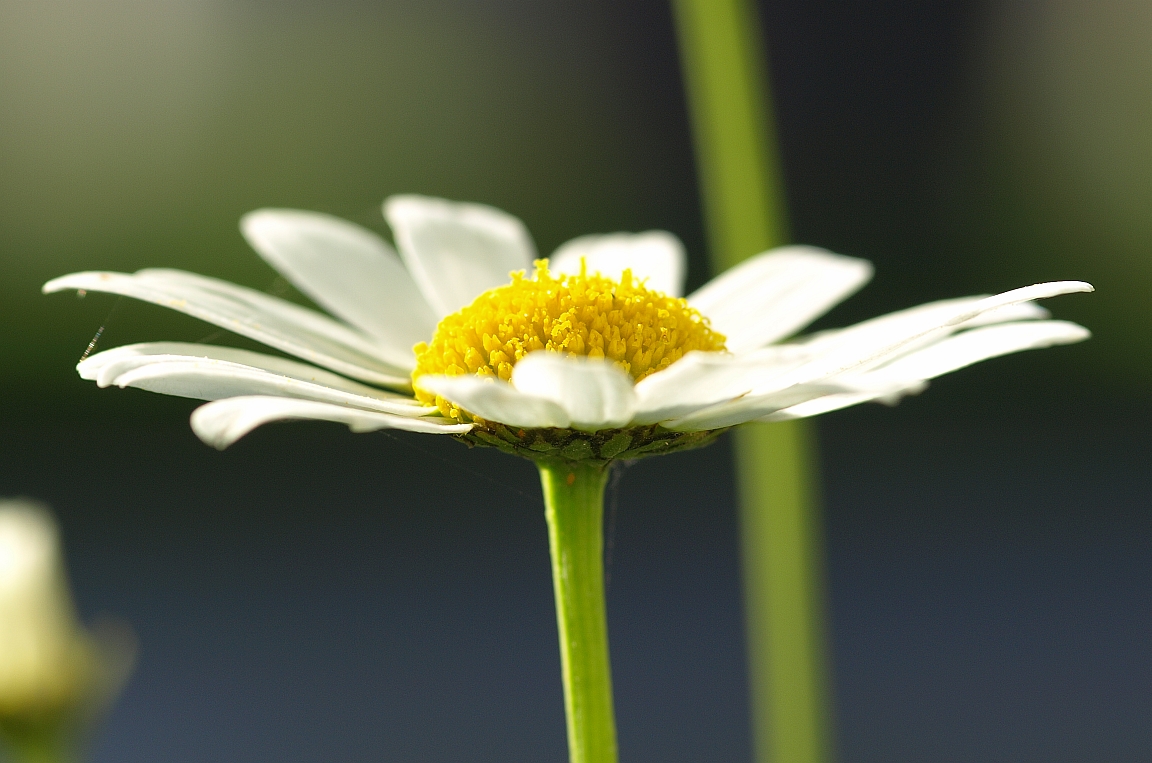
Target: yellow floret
x=639 y=329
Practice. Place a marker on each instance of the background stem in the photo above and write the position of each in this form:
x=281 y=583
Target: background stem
x=574 y=508
x=784 y=601
x=742 y=192
x=41 y=748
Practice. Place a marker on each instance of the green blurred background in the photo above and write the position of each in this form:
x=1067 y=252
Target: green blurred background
x=988 y=541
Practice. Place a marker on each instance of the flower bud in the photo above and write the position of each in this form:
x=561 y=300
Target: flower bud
x=56 y=678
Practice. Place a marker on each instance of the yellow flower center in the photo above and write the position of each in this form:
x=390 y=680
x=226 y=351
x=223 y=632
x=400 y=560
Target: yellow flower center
x=639 y=329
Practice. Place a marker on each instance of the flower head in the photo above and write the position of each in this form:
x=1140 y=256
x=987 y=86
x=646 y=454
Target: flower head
x=591 y=354
x=639 y=330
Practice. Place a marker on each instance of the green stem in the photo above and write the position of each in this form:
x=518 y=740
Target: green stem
x=728 y=98
x=574 y=508
x=742 y=191
x=44 y=747
x=783 y=591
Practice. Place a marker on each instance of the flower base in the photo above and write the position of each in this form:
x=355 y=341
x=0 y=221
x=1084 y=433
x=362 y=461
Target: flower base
x=571 y=445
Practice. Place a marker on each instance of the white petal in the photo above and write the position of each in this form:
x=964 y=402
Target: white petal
x=496 y=400
x=290 y=328
x=825 y=404
x=946 y=356
x=702 y=379
x=753 y=407
x=104 y=367
x=223 y=422
x=1023 y=311
x=348 y=270
x=865 y=360
x=656 y=255
x=457 y=251
x=870 y=344
x=209 y=379
x=979 y=344
x=774 y=294
x=877 y=331
x=883 y=358
x=594 y=393
x=940 y=311
x=1024 y=294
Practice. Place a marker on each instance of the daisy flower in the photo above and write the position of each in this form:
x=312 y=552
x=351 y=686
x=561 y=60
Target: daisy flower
x=590 y=356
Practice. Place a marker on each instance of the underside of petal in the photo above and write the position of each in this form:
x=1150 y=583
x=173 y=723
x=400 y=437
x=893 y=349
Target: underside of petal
x=945 y=356
x=205 y=378
x=881 y=359
x=287 y=327
x=702 y=379
x=825 y=404
x=223 y=422
x=975 y=345
x=103 y=366
x=869 y=345
x=753 y=407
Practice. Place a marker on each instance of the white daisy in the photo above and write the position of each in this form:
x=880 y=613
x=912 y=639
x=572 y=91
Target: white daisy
x=595 y=355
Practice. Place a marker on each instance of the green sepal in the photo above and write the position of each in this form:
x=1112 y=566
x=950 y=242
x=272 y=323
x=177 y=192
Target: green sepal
x=617 y=445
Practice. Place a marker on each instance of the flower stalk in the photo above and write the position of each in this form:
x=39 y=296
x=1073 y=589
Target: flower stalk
x=574 y=509
x=47 y=745
x=742 y=190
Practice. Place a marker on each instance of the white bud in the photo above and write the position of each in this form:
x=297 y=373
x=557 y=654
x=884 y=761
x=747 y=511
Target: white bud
x=55 y=677
x=45 y=661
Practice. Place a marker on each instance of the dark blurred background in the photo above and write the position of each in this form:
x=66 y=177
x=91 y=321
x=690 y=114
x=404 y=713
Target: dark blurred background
x=311 y=594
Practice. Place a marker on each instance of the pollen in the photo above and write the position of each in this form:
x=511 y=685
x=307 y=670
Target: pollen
x=639 y=329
